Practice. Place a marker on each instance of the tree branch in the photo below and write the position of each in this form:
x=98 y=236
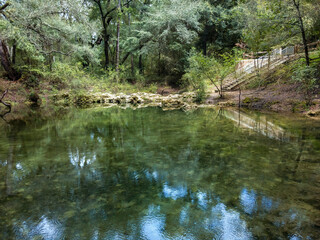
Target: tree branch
x=110 y=11
x=49 y=52
x=127 y=3
x=4 y=103
x=4 y=6
x=4 y=94
x=109 y=20
x=115 y=8
x=141 y=45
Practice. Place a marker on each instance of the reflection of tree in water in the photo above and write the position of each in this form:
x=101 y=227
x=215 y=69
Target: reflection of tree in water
x=131 y=174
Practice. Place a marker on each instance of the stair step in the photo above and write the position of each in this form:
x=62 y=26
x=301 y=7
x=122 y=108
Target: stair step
x=230 y=83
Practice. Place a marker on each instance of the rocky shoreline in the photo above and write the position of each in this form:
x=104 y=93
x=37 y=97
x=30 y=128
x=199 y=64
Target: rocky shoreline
x=185 y=101
x=173 y=101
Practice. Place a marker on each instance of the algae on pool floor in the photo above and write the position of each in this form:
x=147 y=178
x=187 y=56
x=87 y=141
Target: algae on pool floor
x=148 y=174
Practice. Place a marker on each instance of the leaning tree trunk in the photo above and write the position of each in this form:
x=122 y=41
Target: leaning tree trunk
x=6 y=63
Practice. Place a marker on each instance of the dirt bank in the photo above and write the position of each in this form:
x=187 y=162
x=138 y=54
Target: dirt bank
x=286 y=98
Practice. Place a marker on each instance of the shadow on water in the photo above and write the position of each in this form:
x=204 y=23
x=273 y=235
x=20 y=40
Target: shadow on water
x=148 y=174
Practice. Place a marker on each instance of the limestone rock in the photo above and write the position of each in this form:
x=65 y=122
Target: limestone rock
x=314 y=113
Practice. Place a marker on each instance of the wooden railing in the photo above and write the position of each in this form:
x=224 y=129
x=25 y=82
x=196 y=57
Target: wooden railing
x=269 y=59
x=311 y=47
x=250 y=65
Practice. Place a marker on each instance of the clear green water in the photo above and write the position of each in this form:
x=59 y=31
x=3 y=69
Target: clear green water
x=148 y=174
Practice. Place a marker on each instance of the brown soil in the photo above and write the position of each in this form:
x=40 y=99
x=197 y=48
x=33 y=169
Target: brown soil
x=167 y=90
x=16 y=93
x=19 y=93
x=275 y=97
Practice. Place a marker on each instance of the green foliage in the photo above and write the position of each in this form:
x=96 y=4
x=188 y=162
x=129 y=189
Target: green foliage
x=34 y=97
x=201 y=93
x=65 y=75
x=165 y=35
x=194 y=76
x=308 y=77
x=268 y=24
x=203 y=68
x=43 y=29
x=62 y=42
x=221 y=28
x=31 y=81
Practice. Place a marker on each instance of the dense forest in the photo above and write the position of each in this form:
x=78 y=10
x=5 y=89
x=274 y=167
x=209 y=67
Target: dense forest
x=106 y=44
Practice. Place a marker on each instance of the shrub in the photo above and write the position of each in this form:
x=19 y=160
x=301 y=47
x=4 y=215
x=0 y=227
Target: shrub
x=202 y=68
x=308 y=77
x=31 y=81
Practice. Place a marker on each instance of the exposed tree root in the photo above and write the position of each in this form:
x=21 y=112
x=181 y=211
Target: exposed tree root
x=8 y=105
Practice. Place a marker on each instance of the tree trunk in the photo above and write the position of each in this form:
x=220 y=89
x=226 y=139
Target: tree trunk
x=50 y=58
x=205 y=46
x=118 y=38
x=140 y=64
x=105 y=35
x=106 y=48
x=118 y=47
x=14 y=52
x=239 y=105
x=131 y=56
x=159 y=63
x=6 y=63
x=303 y=32
x=132 y=65
x=221 y=88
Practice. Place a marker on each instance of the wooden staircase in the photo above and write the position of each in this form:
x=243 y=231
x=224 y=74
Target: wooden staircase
x=239 y=77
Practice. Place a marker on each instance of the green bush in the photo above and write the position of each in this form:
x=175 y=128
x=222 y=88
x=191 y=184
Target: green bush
x=214 y=69
x=308 y=77
x=31 y=80
x=201 y=94
x=194 y=76
x=75 y=79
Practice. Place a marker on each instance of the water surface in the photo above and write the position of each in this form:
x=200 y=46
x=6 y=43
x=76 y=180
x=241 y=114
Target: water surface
x=109 y=173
